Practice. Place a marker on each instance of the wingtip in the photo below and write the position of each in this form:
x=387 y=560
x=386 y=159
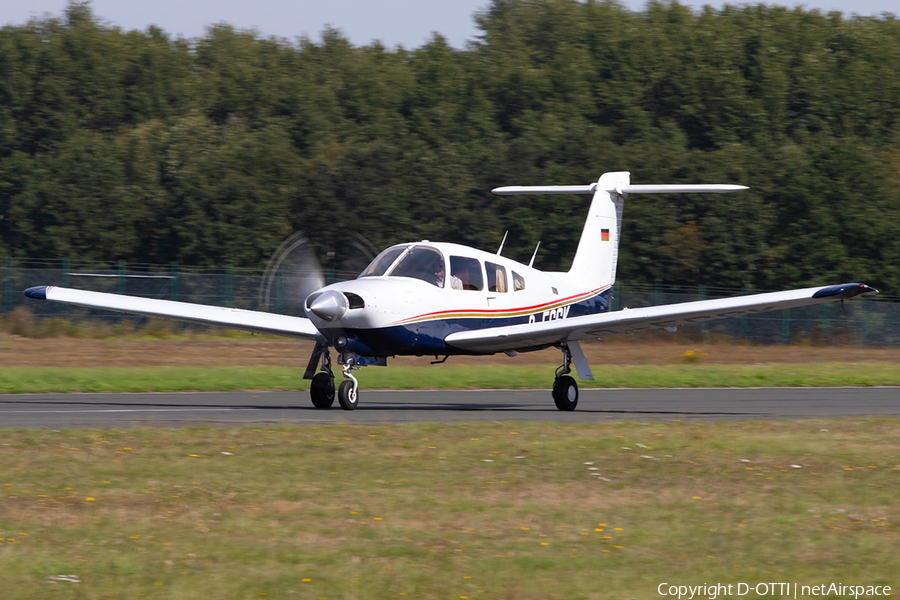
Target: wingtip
x=38 y=292
x=845 y=291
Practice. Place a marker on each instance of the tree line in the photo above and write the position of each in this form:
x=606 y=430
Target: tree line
x=139 y=146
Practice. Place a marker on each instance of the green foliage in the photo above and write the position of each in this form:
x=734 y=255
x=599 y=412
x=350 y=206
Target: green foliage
x=146 y=148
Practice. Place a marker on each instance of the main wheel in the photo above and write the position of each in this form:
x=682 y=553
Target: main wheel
x=565 y=393
x=321 y=390
x=348 y=398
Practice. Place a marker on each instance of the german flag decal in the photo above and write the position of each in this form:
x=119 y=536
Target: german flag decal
x=604 y=235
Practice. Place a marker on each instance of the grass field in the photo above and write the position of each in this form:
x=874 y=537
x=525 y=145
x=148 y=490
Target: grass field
x=218 y=378
x=491 y=510
x=254 y=363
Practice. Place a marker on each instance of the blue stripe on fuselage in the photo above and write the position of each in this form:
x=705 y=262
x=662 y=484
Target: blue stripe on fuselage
x=427 y=337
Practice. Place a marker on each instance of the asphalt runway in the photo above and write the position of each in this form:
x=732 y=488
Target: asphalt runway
x=62 y=411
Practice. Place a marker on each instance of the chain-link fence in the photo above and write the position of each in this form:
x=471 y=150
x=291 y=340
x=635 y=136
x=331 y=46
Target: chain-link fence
x=869 y=321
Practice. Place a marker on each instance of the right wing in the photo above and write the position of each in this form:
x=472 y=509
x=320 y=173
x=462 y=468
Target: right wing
x=232 y=318
x=531 y=335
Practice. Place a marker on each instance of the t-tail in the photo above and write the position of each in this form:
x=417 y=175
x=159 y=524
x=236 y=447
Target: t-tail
x=594 y=265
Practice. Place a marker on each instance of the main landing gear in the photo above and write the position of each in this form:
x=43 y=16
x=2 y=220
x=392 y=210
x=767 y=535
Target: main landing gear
x=565 y=390
x=321 y=389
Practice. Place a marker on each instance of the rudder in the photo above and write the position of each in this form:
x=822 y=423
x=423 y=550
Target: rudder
x=594 y=265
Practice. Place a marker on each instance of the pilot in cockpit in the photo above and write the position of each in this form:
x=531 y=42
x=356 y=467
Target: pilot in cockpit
x=438 y=269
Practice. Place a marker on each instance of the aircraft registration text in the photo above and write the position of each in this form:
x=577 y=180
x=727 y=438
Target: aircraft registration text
x=554 y=314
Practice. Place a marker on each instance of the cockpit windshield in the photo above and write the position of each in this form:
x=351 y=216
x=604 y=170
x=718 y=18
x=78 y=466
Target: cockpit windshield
x=383 y=262
x=422 y=263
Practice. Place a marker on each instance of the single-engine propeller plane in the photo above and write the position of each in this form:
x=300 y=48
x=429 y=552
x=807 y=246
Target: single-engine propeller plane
x=425 y=298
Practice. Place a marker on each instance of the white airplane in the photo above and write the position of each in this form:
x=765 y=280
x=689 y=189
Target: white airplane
x=425 y=298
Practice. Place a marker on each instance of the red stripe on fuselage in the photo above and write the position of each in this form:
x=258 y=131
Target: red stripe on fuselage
x=506 y=311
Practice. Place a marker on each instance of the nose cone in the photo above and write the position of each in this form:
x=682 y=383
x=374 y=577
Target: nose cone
x=329 y=306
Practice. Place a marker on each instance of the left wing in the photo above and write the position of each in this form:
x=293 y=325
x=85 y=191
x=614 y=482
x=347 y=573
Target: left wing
x=232 y=318
x=512 y=337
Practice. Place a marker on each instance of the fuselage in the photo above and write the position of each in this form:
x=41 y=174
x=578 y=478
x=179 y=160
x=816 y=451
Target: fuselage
x=413 y=295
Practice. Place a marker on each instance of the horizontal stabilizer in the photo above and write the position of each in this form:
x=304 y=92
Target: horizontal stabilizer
x=545 y=189
x=703 y=188
x=232 y=318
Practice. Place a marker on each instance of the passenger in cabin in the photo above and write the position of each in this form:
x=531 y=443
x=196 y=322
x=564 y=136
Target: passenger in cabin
x=468 y=273
x=460 y=279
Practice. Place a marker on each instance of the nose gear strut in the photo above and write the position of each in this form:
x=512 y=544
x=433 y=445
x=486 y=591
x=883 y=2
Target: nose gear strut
x=348 y=395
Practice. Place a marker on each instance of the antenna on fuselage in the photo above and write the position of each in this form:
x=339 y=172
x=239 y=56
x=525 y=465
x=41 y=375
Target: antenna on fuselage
x=500 y=249
x=535 y=254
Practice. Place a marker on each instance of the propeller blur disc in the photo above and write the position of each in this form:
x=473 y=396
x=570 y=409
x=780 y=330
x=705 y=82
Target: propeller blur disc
x=292 y=274
x=294 y=271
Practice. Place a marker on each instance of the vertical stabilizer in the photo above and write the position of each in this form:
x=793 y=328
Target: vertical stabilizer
x=595 y=260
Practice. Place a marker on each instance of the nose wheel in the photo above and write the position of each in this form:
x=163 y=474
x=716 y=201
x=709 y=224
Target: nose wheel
x=565 y=390
x=347 y=395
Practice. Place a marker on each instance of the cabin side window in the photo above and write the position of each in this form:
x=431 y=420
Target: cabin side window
x=421 y=263
x=518 y=282
x=496 y=277
x=465 y=273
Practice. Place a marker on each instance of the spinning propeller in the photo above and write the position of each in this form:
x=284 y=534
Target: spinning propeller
x=294 y=271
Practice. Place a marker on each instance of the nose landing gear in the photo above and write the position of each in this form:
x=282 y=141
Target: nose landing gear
x=348 y=393
x=565 y=390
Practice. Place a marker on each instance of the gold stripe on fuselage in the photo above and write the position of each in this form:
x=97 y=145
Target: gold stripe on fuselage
x=502 y=313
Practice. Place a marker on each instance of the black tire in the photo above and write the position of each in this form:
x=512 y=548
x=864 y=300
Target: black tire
x=348 y=398
x=565 y=393
x=321 y=390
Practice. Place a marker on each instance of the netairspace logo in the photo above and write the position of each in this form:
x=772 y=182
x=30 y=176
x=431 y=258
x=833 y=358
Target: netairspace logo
x=778 y=589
